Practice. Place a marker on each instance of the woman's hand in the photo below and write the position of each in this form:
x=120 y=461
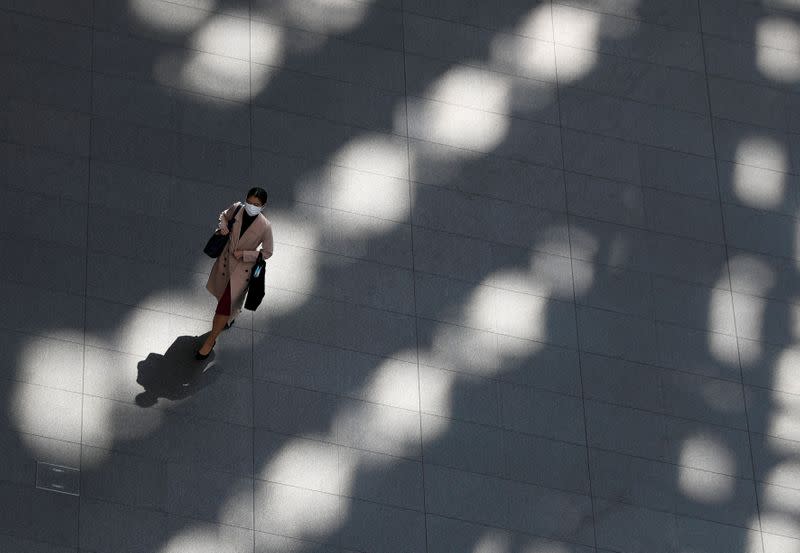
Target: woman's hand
x=224 y=231
x=237 y=254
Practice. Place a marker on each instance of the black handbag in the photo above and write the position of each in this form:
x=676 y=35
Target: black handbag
x=255 y=288
x=218 y=241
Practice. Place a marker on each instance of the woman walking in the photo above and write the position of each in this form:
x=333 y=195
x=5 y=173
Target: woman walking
x=250 y=235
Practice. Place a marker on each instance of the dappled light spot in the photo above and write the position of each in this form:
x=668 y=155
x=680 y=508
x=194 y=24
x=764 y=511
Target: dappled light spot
x=471 y=129
x=224 y=35
x=708 y=452
x=720 y=309
x=521 y=315
x=493 y=541
x=481 y=308
x=780 y=509
x=268 y=46
x=778 y=49
x=785 y=472
x=39 y=362
x=293 y=268
x=786 y=371
x=751 y=274
x=758 y=188
x=396 y=430
x=471 y=87
x=203 y=537
x=393 y=383
x=705 y=487
x=301 y=462
x=762 y=151
x=378 y=153
x=793 y=5
x=369 y=194
x=162 y=16
x=323 y=16
x=104 y=423
x=302 y=513
x=204 y=74
x=232 y=78
x=784 y=416
x=522 y=55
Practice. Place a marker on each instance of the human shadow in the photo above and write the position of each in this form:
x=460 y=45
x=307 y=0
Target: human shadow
x=175 y=375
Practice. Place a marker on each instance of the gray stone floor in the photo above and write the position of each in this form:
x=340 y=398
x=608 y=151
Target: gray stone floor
x=536 y=286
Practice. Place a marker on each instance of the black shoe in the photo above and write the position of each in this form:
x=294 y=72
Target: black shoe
x=199 y=356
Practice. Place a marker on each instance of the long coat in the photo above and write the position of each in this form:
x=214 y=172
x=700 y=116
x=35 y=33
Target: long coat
x=257 y=238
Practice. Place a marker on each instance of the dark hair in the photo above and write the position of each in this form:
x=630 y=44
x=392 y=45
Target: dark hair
x=259 y=193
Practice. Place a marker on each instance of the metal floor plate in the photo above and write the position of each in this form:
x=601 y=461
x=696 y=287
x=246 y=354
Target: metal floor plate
x=55 y=478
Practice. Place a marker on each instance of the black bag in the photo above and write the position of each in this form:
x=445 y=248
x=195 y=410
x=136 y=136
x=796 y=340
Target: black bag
x=218 y=241
x=255 y=289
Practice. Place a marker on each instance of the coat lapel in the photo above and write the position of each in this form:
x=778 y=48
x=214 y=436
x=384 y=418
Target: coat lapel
x=237 y=229
x=257 y=223
x=256 y=226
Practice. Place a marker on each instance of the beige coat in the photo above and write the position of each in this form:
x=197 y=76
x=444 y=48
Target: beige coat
x=257 y=238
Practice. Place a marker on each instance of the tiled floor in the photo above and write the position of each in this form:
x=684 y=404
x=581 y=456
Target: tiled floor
x=536 y=283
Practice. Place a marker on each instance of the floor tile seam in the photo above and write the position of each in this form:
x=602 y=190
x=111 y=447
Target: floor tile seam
x=744 y=394
x=161 y=511
x=409 y=225
x=517 y=533
x=411 y=205
x=645 y=229
x=165 y=462
x=768 y=7
x=46 y=18
x=262 y=482
x=645 y=366
x=664 y=26
x=541 y=122
x=177 y=130
x=226 y=14
x=406 y=315
x=124 y=30
x=666 y=462
x=618 y=453
x=747 y=43
x=190 y=417
x=791 y=92
x=514 y=531
x=304 y=158
x=86 y=265
x=653 y=105
x=165 y=412
x=351 y=498
x=30 y=539
x=657 y=321
x=499 y=381
x=680 y=514
x=663 y=413
x=789 y=132
x=766 y=483
x=502 y=200
x=575 y=313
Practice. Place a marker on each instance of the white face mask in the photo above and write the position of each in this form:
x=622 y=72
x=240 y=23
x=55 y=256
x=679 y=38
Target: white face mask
x=252 y=209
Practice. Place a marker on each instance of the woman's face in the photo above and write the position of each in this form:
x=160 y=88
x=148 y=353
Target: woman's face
x=255 y=201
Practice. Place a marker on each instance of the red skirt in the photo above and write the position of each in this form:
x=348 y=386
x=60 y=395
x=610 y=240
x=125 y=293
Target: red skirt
x=224 y=303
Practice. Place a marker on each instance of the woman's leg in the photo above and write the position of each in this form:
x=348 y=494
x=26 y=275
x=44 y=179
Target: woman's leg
x=216 y=329
x=221 y=317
